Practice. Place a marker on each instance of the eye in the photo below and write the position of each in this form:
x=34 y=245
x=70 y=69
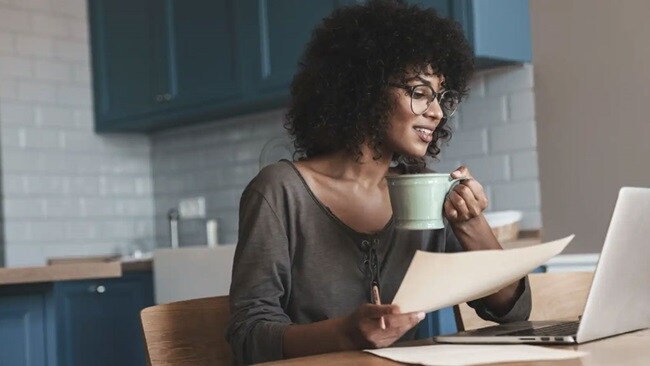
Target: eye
x=421 y=92
x=418 y=95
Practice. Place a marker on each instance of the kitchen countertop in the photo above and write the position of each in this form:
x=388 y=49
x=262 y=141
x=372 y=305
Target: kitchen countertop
x=82 y=268
x=73 y=269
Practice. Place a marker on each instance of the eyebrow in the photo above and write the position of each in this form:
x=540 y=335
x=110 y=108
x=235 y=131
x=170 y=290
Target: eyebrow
x=420 y=79
x=427 y=82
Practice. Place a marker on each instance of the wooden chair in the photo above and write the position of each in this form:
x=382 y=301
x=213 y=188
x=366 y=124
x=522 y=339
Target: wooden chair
x=190 y=332
x=559 y=295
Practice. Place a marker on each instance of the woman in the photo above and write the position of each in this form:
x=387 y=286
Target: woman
x=372 y=96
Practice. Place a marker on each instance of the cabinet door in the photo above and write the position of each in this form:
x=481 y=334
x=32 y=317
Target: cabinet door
x=200 y=53
x=497 y=30
x=442 y=7
x=98 y=321
x=22 y=330
x=121 y=34
x=280 y=31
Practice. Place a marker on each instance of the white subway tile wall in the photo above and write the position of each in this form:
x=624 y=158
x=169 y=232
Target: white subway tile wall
x=69 y=191
x=66 y=190
x=499 y=118
x=494 y=136
x=216 y=161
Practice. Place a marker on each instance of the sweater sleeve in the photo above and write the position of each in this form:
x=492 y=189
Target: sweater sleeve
x=521 y=308
x=261 y=281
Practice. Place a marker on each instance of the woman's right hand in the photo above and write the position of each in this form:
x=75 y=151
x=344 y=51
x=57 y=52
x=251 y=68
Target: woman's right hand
x=363 y=326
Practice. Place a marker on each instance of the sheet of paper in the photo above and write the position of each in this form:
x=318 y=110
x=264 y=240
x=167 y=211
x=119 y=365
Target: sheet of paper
x=453 y=354
x=437 y=280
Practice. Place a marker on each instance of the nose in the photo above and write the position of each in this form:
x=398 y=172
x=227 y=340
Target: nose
x=434 y=111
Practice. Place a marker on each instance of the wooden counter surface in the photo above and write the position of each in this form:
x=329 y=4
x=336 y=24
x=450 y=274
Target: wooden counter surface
x=71 y=270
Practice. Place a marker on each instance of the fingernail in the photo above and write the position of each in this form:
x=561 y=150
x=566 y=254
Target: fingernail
x=421 y=315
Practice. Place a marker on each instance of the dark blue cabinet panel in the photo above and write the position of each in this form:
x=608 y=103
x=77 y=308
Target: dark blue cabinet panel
x=497 y=30
x=23 y=330
x=164 y=63
x=283 y=27
x=443 y=7
x=201 y=52
x=121 y=38
x=98 y=321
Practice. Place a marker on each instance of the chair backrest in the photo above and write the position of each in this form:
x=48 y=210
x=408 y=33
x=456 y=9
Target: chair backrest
x=557 y=295
x=190 y=332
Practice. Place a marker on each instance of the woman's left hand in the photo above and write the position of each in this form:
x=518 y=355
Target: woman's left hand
x=467 y=200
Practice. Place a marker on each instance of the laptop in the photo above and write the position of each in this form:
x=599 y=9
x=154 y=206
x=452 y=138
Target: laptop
x=619 y=298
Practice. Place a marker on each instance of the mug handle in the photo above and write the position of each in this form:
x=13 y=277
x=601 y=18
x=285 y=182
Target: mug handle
x=454 y=183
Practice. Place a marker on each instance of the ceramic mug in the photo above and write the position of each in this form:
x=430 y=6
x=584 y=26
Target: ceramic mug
x=417 y=199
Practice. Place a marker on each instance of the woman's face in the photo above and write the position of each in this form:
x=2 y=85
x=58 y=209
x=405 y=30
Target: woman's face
x=410 y=134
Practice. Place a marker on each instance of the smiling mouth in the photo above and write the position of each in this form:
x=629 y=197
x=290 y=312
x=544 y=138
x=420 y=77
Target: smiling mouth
x=425 y=134
x=424 y=131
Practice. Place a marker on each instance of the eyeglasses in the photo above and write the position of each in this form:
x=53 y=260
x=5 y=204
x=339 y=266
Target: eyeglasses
x=423 y=95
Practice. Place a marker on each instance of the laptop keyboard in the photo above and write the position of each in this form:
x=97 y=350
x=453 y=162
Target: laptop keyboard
x=562 y=329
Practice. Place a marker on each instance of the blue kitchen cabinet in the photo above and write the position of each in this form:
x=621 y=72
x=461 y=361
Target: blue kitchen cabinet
x=196 y=60
x=161 y=63
x=279 y=31
x=164 y=63
x=200 y=64
x=121 y=35
x=497 y=30
x=98 y=321
x=24 y=326
x=75 y=323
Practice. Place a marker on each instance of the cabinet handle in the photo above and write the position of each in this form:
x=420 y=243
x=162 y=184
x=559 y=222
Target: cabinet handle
x=100 y=289
x=167 y=97
x=158 y=98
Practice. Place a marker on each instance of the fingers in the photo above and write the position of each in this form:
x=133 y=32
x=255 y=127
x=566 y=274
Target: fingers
x=377 y=311
x=464 y=202
x=460 y=172
x=403 y=322
x=396 y=326
x=467 y=200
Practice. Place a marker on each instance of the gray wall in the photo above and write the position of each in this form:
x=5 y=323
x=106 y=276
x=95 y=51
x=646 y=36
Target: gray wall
x=494 y=135
x=215 y=161
x=66 y=190
x=591 y=66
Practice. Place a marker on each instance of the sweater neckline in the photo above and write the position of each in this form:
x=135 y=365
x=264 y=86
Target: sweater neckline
x=331 y=214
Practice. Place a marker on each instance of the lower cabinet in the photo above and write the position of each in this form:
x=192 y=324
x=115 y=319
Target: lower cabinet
x=98 y=321
x=437 y=323
x=75 y=323
x=23 y=328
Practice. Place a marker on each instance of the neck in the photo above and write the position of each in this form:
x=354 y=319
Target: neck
x=366 y=171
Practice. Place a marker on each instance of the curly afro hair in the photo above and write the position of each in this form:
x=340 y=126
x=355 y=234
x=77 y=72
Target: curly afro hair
x=340 y=96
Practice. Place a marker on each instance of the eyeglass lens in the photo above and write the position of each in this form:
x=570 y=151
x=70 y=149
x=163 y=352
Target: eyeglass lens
x=422 y=97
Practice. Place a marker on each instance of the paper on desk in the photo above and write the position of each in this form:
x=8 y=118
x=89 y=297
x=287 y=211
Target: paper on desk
x=450 y=355
x=437 y=280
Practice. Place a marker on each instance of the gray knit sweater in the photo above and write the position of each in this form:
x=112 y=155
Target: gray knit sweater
x=296 y=262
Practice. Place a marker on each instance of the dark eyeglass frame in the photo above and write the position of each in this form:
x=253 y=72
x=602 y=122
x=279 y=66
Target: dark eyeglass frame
x=434 y=96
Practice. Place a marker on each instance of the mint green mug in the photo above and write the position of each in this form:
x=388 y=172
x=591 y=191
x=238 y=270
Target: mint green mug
x=417 y=199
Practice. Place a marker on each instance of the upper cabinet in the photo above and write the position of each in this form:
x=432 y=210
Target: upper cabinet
x=497 y=30
x=279 y=32
x=160 y=63
x=164 y=63
x=122 y=51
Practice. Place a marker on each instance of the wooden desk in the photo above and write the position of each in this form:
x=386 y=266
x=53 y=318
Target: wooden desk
x=627 y=349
